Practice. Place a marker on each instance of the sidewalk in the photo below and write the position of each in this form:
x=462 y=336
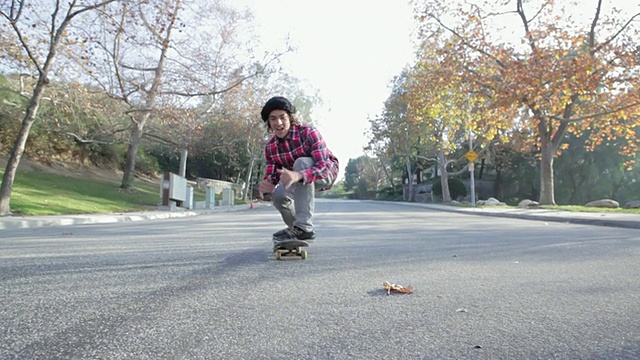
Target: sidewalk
x=24 y=222
x=630 y=221
x=621 y=220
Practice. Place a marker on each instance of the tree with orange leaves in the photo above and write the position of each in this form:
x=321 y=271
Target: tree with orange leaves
x=395 y=135
x=448 y=109
x=562 y=76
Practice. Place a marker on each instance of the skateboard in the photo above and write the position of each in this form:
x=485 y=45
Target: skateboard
x=290 y=248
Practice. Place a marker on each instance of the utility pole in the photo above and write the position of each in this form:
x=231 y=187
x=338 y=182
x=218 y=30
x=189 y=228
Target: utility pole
x=471 y=156
x=471 y=172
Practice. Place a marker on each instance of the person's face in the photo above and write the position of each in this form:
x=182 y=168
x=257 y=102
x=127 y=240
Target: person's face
x=279 y=123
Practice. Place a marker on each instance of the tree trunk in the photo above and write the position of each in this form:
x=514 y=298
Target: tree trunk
x=248 y=183
x=149 y=103
x=444 y=178
x=547 y=196
x=574 y=187
x=409 y=197
x=386 y=173
x=184 y=153
x=132 y=153
x=34 y=103
x=18 y=148
x=497 y=186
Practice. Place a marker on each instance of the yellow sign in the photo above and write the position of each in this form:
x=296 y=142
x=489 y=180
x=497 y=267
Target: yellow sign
x=471 y=155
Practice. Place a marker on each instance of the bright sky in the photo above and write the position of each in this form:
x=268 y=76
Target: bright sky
x=349 y=50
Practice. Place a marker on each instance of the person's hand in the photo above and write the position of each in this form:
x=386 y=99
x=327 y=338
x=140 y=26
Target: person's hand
x=265 y=186
x=288 y=177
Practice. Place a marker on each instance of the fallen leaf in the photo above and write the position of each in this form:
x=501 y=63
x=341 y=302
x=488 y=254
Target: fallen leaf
x=395 y=288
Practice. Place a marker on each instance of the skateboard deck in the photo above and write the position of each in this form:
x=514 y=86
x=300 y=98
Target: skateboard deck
x=290 y=248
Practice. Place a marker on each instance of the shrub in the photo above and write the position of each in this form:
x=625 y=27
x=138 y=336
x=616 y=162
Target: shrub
x=391 y=193
x=146 y=164
x=456 y=187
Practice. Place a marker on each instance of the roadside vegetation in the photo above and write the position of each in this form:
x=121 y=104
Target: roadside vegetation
x=53 y=191
x=576 y=208
x=552 y=116
x=41 y=193
x=548 y=108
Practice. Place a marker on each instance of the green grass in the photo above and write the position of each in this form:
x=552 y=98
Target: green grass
x=576 y=208
x=36 y=193
x=571 y=208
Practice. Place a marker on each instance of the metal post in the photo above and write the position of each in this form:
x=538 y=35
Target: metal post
x=471 y=172
x=183 y=162
x=165 y=184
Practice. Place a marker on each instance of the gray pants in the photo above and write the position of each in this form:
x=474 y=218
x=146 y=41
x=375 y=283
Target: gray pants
x=296 y=204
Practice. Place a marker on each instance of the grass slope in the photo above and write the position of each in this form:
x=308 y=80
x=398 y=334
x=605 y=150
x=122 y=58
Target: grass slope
x=40 y=193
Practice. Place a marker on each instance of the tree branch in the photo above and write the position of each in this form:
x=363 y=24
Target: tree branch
x=613 y=37
x=587 y=117
x=79 y=140
x=89 y=8
x=128 y=67
x=259 y=70
x=467 y=44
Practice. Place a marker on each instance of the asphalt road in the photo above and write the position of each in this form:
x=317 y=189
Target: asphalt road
x=208 y=287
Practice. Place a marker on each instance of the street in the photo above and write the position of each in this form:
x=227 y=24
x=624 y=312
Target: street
x=208 y=287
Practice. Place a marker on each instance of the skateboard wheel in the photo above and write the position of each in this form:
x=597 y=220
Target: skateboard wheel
x=303 y=254
x=277 y=253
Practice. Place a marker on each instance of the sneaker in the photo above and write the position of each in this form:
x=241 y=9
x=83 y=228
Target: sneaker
x=280 y=233
x=295 y=233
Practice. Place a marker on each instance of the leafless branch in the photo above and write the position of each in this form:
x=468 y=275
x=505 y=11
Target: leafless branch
x=79 y=140
x=89 y=8
x=467 y=43
x=116 y=54
x=259 y=70
x=613 y=37
x=128 y=67
x=152 y=29
x=592 y=116
x=160 y=139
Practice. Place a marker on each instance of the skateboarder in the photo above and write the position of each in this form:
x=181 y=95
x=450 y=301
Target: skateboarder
x=298 y=162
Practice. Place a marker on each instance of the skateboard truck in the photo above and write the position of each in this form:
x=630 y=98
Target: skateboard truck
x=290 y=248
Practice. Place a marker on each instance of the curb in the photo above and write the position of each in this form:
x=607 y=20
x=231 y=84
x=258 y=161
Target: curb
x=628 y=221
x=569 y=220
x=16 y=223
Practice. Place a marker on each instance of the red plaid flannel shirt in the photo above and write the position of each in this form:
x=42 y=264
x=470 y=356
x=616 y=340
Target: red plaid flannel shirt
x=302 y=140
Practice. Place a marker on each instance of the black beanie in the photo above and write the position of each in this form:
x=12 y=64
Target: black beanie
x=277 y=103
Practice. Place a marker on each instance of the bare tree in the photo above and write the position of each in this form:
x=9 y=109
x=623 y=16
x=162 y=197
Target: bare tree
x=162 y=54
x=38 y=42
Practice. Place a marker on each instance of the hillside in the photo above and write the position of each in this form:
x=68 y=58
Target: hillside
x=75 y=170
x=72 y=188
